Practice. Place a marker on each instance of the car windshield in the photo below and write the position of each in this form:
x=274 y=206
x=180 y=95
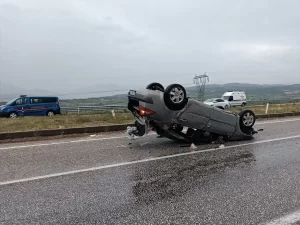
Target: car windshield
x=11 y=101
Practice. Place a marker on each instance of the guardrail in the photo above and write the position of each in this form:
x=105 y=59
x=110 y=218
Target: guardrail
x=273 y=102
x=90 y=109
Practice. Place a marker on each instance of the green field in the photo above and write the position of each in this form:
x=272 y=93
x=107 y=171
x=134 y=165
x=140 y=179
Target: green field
x=61 y=121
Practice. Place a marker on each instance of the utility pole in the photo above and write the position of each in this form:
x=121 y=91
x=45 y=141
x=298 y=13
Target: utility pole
x=200 y=81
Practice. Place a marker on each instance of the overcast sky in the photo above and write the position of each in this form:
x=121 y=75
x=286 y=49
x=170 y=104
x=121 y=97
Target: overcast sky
x=84 y=44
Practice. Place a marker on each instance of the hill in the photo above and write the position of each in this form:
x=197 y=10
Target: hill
x=254 y=92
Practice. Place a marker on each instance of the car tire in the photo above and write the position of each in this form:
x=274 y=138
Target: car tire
x=243 y=104
x=155 y=87
x=226 y=107
x=13 y=115
x=175 y=97
x=247 y=119
x=50 y=113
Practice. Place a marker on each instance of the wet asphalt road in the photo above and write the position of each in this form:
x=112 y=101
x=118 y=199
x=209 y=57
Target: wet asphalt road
x=248 y=184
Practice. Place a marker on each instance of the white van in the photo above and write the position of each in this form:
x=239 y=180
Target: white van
x=235 y=98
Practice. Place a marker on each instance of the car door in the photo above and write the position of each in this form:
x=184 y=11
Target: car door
x=37 y=106
x=196 y=115
x=220 y=102
x=230 y=100
x=222 y=122
x=20 y=106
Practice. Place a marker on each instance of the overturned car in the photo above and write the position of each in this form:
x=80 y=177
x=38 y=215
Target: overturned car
x=171 y=114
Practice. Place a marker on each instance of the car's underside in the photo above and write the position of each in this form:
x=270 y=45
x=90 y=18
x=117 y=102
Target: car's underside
x=180 y=133
x=190 y=122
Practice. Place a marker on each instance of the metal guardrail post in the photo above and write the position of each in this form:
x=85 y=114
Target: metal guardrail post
x=267 y=108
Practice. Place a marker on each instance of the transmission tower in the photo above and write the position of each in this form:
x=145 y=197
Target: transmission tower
x=200 y=81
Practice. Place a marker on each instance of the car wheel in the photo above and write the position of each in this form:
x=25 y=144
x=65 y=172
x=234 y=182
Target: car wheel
x=243 y=104
x=13 y=115
x=175 y=97
x=247 y=119
x=156 y=86
x=50 y=113
x=226 y=106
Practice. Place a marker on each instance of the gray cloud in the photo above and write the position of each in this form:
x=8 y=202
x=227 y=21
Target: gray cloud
x=75 y=44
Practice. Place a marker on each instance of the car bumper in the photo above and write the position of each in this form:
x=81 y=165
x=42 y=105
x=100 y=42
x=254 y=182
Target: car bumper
x=3 y=114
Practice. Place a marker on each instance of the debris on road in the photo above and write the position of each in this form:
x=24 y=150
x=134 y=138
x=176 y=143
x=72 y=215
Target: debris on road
x=130 y=132
x=193 y=146
x=121 y=146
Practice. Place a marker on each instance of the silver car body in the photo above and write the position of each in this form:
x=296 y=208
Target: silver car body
x=195 y=115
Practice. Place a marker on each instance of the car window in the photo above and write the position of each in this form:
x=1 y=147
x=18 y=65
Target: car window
x=11 y=101
x=39 y=100
x=20 y=101
x=34 y=100
x=219 y=100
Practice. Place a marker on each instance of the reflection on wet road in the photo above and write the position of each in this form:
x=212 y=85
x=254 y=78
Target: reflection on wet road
x=244 y=184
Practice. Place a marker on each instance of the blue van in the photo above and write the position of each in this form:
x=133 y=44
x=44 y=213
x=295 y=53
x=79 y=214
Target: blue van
x=31 y=106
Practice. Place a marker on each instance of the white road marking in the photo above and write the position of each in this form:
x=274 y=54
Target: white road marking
x=288 y=219
x=111 y=138
x=67 y=142
x=62 y=142
x=140 y=161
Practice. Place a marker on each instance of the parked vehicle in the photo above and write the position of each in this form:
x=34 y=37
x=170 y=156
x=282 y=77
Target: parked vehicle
x=236 y=98
x=218 y=102
x=31 y=106
x=168 y=111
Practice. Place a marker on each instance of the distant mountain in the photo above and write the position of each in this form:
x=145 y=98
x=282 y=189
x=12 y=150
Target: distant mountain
x=95 y=91
x=254 y=92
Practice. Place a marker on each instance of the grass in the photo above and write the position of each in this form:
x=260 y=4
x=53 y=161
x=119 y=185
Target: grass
x=61 y=121
x=70 y=120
